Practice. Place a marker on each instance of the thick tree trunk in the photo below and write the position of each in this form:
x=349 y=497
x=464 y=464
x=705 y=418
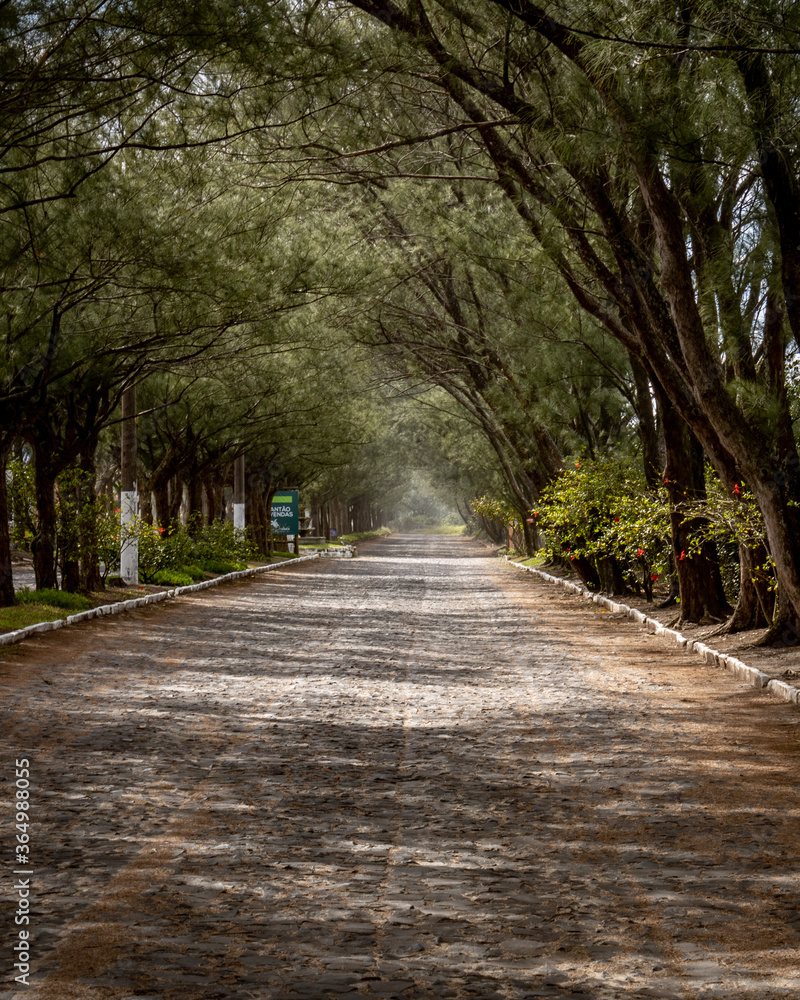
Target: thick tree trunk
x=610 y=574
x=91 y=578
x=43 y=547
x=774 y=498
x=6 y=571
x=587 y=571
x=194 y=514
x=755 y=605
x=531 y=538
x=210 y=498
x=702 y=594
x=258 y=519
x=161 y=497
x=69 y=536
x=652 y=454
x=175 y=500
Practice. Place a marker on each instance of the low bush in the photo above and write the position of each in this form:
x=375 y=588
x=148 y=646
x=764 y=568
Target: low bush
x=172 y=578
x=220 y=567
x=192 y=552
x=604 y=520
x=195 y=572
x=55 y=599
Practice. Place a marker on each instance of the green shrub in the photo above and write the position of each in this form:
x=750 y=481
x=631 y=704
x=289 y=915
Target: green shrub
x=601 y=515
x=55 y=599
x=195 y=572
x=172 y=578
x=219 y=542
x=221 y=567
x=178 y=550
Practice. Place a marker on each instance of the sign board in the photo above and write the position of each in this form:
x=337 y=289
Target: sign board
x=285 y=515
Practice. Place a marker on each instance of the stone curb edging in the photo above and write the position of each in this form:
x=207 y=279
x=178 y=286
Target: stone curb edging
x=754 y=677
x=8 y=638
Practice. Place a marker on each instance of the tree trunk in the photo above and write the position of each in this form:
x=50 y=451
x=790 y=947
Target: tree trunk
x=775 y=500
x=587 y=571
x=175 y=500
x=161 y=497
x=652 y=454
x=611 y=578
x=69 y=535
x=6 y=571
x=91 y=578
x=259 y=520
x=702 y=595
x=194 y=513
x=755 y=605
x=43 y=547
x=530 y=537
x=211 y=498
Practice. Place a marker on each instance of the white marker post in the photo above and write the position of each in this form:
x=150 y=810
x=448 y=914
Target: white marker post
x=129 y=498
x=238 y=495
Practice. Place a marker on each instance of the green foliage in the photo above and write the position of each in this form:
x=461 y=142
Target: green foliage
x=730 y=520
x=176 y=550
x=21 y=502
x=220 y=542
x=220 y=567
x=496 y=509
x=22 y=615
x=87 y=525
x=172 y=578
x=604 y=510
x=54 y=599
x=195 y=572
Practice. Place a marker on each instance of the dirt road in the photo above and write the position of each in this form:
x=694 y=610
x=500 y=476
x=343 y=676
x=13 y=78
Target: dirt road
x=417 y=774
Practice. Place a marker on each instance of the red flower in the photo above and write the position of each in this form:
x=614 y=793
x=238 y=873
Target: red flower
x=577 y=465
x=654 y=576
x=666 y=481
x=616 y=520
x=683 y=555
x=736 y=489
x=572 y=557
x=640 y=552
x=161 y=531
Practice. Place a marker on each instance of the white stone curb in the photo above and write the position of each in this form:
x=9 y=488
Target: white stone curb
x=8 y=638
x=754 y=677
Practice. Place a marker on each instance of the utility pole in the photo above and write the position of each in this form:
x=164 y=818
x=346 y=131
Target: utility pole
x=129 y=499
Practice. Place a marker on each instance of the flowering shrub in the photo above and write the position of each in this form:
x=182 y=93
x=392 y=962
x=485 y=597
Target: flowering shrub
x=494 y=509
x=500 y=513
x=603 y=512
x=731 y=518
x=175 y=550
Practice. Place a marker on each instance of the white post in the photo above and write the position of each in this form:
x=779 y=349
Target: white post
x=238 y=494
x=129 y=498
x=129 y=552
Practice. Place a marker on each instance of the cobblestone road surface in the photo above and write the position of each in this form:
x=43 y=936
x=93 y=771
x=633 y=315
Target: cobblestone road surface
x=418 y=774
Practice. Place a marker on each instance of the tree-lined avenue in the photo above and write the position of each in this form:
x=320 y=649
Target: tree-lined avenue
x=414 y=774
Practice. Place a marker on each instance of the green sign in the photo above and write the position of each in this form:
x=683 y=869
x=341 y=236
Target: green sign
x=285 y=514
